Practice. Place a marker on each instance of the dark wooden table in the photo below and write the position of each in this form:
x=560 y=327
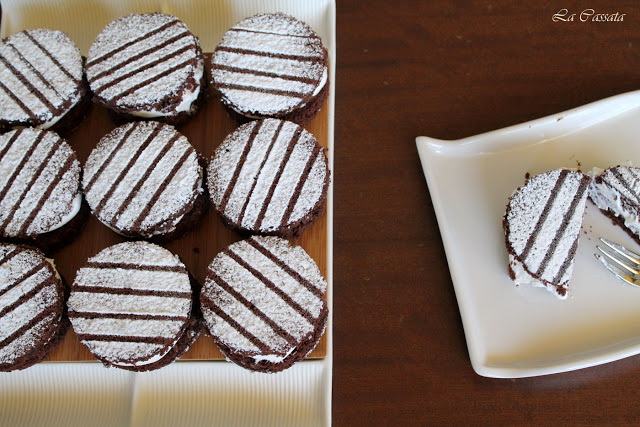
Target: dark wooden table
x=450 y=69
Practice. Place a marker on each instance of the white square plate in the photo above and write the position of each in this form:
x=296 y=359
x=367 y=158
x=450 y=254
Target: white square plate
x=524 y=331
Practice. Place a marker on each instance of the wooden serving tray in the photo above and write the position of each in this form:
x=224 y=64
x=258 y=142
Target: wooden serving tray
x=196 y=249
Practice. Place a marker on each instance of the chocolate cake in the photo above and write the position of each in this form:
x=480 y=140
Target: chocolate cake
x=31 y=307
x=42 y=82
x=144 y=180
x=263 y=303
x=616 y=192
x=542 y=226
x=131 y=305
x=269 y=177
x=271 y=65
x=40 y=197
x=147 y=66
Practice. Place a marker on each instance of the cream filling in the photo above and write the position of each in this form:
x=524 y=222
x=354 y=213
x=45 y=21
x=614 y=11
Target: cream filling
x=273 y=358
x=323 y=81
x=75 y=208
x=188 y=98
x=524 y=278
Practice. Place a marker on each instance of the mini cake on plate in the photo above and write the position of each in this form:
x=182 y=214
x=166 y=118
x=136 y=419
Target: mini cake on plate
x=271 y=65
x=31 y=307
x=147 y=66
x=542 y=226
x=40 y=197
x=42 y=82
x=144 y=180
x=616 y=192
x=269 y=177
x=132 y=306
x=263 y=303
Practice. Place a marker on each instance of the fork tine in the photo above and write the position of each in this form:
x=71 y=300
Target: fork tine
x=627 y=279
x=626 y=253
x=620 y=262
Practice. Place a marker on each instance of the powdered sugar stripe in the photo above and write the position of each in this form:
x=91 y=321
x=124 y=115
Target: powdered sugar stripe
x=126 y=338
x=624 y=183
x=251 y=307
x=100 y=205
x=45 y=196
x=144 y=36
x=217 y=311
x=128 y=316
x=270 y=285
x=136 y=188
x=271 y=74
x=133 y=126
x=17 y=100
x=258 y=31
x=30 y=86
x=274 y=184
x=255 y=178
x=109 y=83
x=113 y=290
x=252 y=52
x=53 y=58
x=145 y=213
x=243 y=157
x=545 y=212
x=146 y=82
x=140 y=55
x=27 y=295
x=285 y=267
x=33 y=68
x=300 y=185
x=566 y=220
x=35 y=176
x=132 y=266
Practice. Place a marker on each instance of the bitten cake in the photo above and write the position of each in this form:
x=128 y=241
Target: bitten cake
x=263 y=303
x=40 y=197
x=144 y=180
x=271 y=65
x=542 y=226
x=42 y=83
x=147 y=66
x=269 y=177
x=616 y=192
x=31 y=307
x=131 y=305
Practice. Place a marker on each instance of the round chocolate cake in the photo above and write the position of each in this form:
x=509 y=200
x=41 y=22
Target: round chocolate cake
x=144 y=180
x=147 y=66
x=269 y=177
x=132 y=306
x=542 y=226
x=271 y=65
x=616 y=192
x=40 y=197
x=263 y=303
x=31 y=307
x=42 y=82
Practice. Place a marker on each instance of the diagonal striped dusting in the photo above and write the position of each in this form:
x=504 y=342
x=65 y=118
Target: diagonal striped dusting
x=39 y=182
x=41 y=73
x=543 y=223
x=264 y=299
x=141 y=61
x=31 y=303
x=142 y=178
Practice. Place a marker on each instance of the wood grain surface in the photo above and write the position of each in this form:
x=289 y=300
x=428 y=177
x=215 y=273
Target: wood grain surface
x=450 y=69
x=197 y=248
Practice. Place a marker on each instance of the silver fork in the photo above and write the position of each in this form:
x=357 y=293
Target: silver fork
x=622 y=262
